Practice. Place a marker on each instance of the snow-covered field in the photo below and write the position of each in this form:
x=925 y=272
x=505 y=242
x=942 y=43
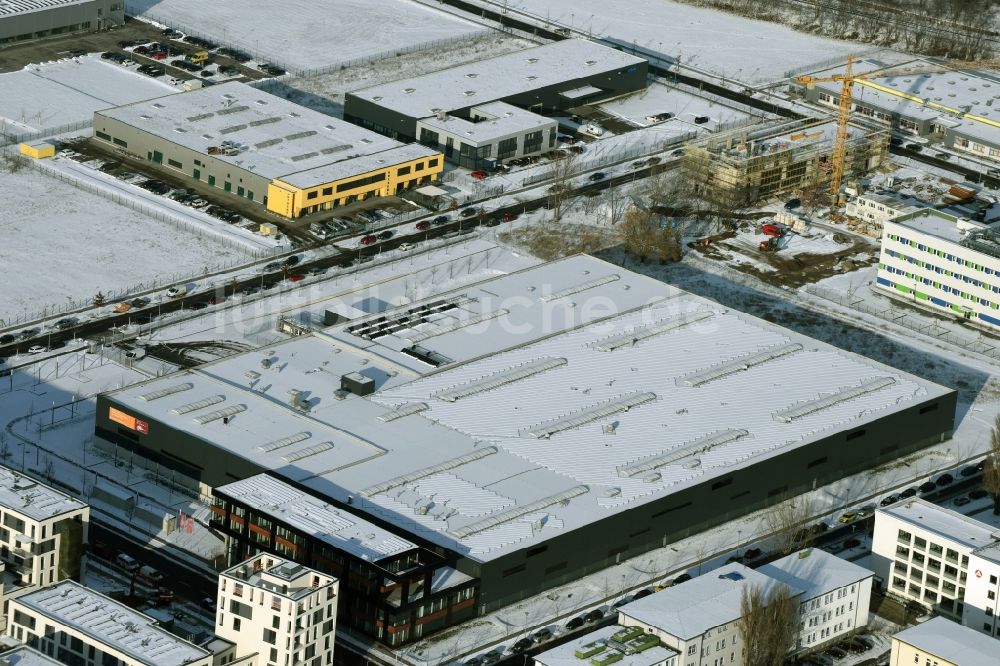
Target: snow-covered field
x=62 y=243
x=660 y=98
x=739 y=48
x=307 y=34
x=64 y=92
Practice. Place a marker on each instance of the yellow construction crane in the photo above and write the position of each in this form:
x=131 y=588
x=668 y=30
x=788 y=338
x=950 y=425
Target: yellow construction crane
x=847 y=81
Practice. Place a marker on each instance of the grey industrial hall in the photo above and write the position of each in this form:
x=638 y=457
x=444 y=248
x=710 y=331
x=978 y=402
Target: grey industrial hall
x=26 y=20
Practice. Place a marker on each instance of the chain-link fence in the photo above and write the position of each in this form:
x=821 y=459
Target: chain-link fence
x=11 y=135
x=898 y=315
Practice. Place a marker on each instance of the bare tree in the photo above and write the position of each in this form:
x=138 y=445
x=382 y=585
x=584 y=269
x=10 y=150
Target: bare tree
x=991 y=467
x=767 y=625
x=637 y=233
x=562 y=172
x=617 y=203
x=787 y=521
x=667 y=241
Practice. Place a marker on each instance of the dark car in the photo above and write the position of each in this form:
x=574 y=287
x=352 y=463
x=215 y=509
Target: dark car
x=978 y=493
x=107 y=55
x=63 y=324
x=886 y=501
x=206 y=73
x=927 y=486
x=594 y=615
x=542 y=635
x=368 y=240
x=125 y=43
x=962 y=501
x=836 y=653
x=909 y=492
x=271 y=267
x=139 y=302
x=440 y=219
x=578 y=150
x=752 y=554
x=594 y=177
x=521 y=645
x=468 y=212
x=575 y=623
x=701 y=120
x=792 y=204
x=387 y=234
x=971 y=470
x=645 y=592
x=944 y=479
x=851 y=543
x=291 y=261
x=141 y=50
x=422 y=226
x=155 y=71
x=6 y=339
x=683 y=578
x=915 y=147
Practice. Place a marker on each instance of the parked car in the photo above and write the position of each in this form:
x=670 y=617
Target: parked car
x=851 y=543
x=508 y=217
x=367 y=240
x=909 y=492
x=387 y=234
x=978 y=493
x=468 y=212
x=971 y=470
x=683 y=578
x=174 y=292
x=752 y=554
x=890 y=499
x=542 y=635
x=296 y=277
x=645 y=592
x=594 y=615
x=151 y=575
x=792 y=204
x=575 y=623
x=6 y=339
x=594 y=177
x=64 y=323
x=915 y=147
x=405 y=247
x=37 y=349
x=962 y=501
x=772 y=230
x=701 y=120
x=847 y=517
x=423 y=225
x=479 y=175
x=944 y=480
x=521 y=645
x=439 y=220
x=291 y=261
x=127 y=562
x=927 y=486
x=836 y=652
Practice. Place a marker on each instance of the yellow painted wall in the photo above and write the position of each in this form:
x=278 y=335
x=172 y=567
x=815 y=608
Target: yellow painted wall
x=904 y=654
x=38 y=150
x=289 y=201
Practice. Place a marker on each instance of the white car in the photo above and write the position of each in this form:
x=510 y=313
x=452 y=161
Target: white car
x=406 y=247
x=174 y=292
x=37 y=349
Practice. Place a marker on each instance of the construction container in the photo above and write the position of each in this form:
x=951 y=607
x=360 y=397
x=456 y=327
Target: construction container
x=268 y=229
x=38 y=149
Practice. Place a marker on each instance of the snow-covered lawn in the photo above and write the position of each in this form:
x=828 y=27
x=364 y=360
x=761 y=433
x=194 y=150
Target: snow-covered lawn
x=739 y=48
x=307 y=34
x=61 y=243
x=51 y=95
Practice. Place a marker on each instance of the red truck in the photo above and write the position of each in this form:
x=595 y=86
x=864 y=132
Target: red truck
x=773 y=230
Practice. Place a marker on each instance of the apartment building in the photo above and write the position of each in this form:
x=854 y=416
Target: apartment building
x=944 y=263
x=920 y=553
x=835 y=594
x=79 y=626
x=43 y=532
x=280 y=611
x=941 y=642
x=868 y=213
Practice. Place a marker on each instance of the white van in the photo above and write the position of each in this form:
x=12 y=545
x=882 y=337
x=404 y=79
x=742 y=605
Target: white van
x=127 y=562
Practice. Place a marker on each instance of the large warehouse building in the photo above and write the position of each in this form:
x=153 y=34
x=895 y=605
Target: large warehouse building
x=26 y=20
x=264 y=148
x=961 y=109
x=520 y=432
x=543 y=79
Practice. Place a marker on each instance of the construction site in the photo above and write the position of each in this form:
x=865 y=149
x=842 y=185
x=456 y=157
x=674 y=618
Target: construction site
x=741 y=167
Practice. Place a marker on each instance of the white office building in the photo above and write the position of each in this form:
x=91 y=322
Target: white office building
x=870 y=212
x=77 y=625
x=836 y=594
x=982 y=590
x=941 y=642
x=280 y=611
x=943 y=262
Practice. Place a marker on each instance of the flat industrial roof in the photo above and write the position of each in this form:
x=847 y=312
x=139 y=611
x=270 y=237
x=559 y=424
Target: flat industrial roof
x=471 y=454
x=944 y=522
x=952 y=642
x=13 y=7
x=304 y=512
x=563 y=655
x=271 y=136
x=26 y=656
x=106 y=621
x=506 y=119
x=815 y=572
x=711 y=600
x=496 y=78
x=33 y=499
x=358 y=165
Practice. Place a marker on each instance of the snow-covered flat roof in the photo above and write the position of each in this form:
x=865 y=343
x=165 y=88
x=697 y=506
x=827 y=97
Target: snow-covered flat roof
x=13 y=7
x=106 y=621
x=342 y=530
x=358 y=165
x=497 y=78
x=990 y=552
x=938 y=224
x=563 y=655
x=478 y=391
x=26 y=656
x=33 y=499
x=270 y=136
x=952 y=642
x=944 y=522
x=695 y=606
x=815 y=572
x=498 y=120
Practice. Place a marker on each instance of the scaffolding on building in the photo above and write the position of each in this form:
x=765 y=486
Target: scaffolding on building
x=741 y=167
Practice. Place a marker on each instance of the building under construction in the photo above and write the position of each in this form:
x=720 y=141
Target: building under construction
x=740 y=167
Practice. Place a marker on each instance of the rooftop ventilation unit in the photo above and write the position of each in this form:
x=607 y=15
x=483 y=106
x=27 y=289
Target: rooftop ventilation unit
x=427 y=471
x=164 y=392
x=308 y=451
x=637 y=335
x=517 y=512
x=200 y=404
x=701 y=445
x=583 y=286
x=403 y=410
x=458 y=325
x=428 y=356
x=296 y=400
x=745 y=363
x=284 y=441
x=223 y=413
x=496 y=380
x=843 y=395
x=590 y=414
x=357 y=383
x=232 y=109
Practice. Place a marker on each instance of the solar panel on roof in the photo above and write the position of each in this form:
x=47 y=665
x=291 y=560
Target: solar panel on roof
x=589 y=414
x=789 y=414
x=458 y=325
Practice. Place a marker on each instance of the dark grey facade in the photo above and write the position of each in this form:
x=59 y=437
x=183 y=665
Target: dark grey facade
x=180 y=160
x=543 y=100
x=21 y=22
x=620 y=535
